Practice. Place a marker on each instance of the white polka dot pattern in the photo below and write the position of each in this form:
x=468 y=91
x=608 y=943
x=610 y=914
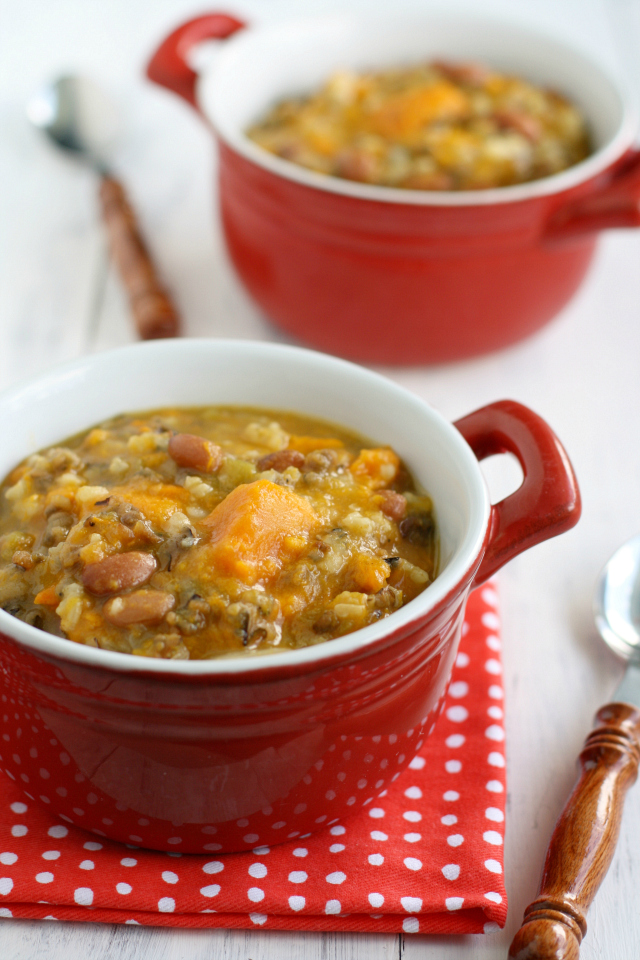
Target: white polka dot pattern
x=425 y=854
x=211 y=890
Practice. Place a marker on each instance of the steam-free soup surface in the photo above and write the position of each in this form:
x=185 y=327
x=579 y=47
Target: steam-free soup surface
x=431 y=126
x=215 y=531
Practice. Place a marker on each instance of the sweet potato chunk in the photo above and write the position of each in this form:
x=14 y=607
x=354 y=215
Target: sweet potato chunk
x=255 y=529
x=156 y=501
x=376 y=468
x=402 y=116
x=369 y=574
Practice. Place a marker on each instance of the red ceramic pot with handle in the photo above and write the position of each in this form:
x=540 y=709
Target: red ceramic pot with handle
x=227 y=754
x=389 y=275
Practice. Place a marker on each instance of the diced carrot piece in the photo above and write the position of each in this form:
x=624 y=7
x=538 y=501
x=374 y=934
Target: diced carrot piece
x=47 y=597
x=255 y=530
x=309 y=444
x=376 y=468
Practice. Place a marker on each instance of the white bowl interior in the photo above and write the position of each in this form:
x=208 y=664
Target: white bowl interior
x=199 y=372
x=262 y=65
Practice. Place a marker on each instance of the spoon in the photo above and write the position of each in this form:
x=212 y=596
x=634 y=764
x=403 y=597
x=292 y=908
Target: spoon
x=76 y=116
x=585 y=836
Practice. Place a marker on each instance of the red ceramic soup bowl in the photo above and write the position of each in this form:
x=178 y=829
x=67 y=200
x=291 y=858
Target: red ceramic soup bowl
x=389 y=275
x=225 y=754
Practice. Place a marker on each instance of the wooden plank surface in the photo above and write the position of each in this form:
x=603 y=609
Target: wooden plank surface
x=60 y=299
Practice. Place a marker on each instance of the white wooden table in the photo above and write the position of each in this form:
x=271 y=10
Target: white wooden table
x=60 y=298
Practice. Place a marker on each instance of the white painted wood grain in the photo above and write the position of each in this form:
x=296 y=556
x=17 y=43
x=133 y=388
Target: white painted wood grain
x=96 y=941
x=49 y=265
x=581 y=373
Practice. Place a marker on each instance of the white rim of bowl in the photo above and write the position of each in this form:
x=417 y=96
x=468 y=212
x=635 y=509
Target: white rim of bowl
x=571 y=177
x=449 y=580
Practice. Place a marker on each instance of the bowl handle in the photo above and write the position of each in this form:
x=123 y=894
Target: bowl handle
x=548 y=501
x=614 y=201
x=168 y=65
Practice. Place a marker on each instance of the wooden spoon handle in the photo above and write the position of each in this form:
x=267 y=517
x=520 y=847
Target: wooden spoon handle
x=154 y=314
x=584 y=839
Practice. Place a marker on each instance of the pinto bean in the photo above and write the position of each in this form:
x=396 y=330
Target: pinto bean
x=280 y=460
x=194 y=453
x=472 y=74
x=141 y=606
x=394 y=505
x=521 y=122
x=120 y=571
x=355 y=164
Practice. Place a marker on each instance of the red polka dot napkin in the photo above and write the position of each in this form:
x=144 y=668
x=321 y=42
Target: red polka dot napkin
x=424 y=857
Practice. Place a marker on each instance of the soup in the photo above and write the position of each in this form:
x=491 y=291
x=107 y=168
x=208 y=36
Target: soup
x=434 y=126
x=208 y=532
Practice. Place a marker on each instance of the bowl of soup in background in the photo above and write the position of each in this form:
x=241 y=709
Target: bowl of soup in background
x=388 y=275
x=223 y=754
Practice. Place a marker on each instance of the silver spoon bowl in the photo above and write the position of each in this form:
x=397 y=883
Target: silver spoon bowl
x=77 y=116
x=616 y=602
